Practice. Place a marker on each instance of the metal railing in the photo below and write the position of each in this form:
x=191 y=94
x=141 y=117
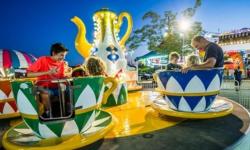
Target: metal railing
x=147 y=85
x=230 y=84
x=242 y=96
x=63 y=96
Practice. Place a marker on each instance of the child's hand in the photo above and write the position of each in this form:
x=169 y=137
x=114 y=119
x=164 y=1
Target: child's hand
x=52 y=71
x=185 y=70
x=67 y=70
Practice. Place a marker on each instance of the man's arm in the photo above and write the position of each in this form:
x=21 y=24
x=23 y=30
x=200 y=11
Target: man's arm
x=209 y=63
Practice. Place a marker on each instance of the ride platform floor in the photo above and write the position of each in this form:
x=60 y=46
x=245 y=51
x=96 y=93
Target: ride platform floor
x=139 y=127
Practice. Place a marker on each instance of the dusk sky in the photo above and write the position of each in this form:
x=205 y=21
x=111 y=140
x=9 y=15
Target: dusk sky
x=32 y=26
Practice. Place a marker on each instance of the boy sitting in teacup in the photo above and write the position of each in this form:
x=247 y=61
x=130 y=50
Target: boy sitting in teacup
x=173 y=58
x=46 y=69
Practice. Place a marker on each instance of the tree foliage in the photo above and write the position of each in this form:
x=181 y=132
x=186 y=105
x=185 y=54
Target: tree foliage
x=161 y=33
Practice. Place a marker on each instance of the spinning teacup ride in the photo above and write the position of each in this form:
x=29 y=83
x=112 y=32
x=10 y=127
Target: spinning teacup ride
x=74 y=119
x=192 y=94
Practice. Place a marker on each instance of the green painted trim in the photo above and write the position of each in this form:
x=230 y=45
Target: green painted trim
x=56 y=127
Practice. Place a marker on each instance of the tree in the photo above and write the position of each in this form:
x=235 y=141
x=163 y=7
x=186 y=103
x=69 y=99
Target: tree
x=161 y=33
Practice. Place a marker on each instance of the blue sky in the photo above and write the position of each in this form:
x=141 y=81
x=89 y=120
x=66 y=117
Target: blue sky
x=32 y=26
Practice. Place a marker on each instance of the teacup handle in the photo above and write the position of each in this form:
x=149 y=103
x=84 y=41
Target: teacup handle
x=107 y=93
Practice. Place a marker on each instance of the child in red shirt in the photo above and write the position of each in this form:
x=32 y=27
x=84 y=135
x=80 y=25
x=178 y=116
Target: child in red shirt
x=47 y=68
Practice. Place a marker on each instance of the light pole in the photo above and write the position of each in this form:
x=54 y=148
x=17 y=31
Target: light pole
x=184 y=25
x=182 y=47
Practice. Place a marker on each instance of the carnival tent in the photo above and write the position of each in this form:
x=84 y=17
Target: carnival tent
x=148 y=55
x=15 y=59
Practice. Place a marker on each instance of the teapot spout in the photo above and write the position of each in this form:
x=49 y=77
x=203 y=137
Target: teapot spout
x=81 y=43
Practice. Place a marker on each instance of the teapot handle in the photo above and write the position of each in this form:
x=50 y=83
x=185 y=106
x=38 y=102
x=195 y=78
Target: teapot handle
x=129 y=29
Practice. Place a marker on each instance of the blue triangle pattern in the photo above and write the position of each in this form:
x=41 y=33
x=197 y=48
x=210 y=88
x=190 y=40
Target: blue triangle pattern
x=183 y=79
x=164 y=77
x=192 y=100
x=209 y=100
x=206 y=76
x=220 y=74
x=175 y=100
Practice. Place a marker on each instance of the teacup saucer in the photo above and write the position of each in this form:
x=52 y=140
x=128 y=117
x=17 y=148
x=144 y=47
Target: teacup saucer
x=218 y=109
x=22 y=137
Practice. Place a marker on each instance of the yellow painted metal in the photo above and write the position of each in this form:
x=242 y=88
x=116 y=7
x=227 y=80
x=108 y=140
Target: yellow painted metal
x=81 y=43
x=165 y=110
x=107 y=93
x=135 y=88
x=137 y=117
x=129 y=29
x=15 y=122
x=187 y=94
x=81 y=111
x=105 y=18
x=63 y=143
x=29 y=116
x=7 y=100
x=12 y=115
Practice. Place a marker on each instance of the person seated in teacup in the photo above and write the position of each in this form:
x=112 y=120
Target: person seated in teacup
x=213 y=58
x=95 y=66
x=173 y=58
x=80 y=71
x=192 y=60
x=48 y=68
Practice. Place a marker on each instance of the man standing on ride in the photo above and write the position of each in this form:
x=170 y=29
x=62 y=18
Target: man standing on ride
x=213 y=58
x=47 y=68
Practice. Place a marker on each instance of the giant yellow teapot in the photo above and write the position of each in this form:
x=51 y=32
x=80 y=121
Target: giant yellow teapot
x=107 y=45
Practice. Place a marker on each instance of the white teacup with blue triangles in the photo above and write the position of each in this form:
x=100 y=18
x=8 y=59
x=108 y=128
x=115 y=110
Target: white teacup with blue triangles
x=194 y=91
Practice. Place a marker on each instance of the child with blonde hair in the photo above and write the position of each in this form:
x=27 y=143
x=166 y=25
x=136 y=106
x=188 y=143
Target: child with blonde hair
x=192 y=60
